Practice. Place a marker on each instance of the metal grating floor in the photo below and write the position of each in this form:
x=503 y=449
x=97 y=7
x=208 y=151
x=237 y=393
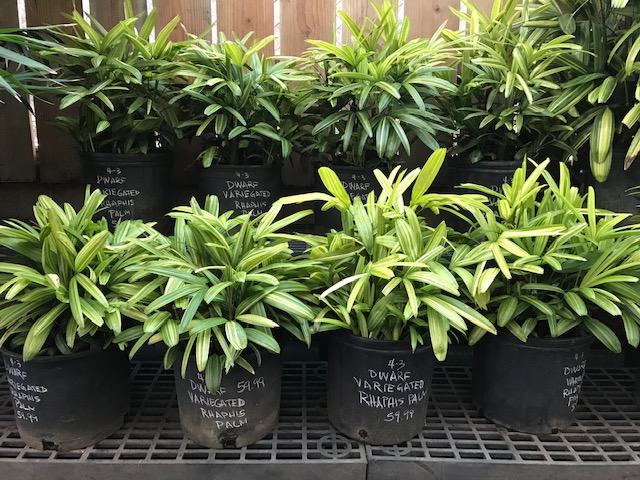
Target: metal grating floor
x=152 y=445
x=457 y=441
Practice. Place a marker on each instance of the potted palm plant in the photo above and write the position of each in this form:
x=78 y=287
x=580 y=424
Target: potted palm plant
x=601 y=85
x=214 y=293
x=510 y=75
x=60 y=311
x=385 y=285
x=372 y=98
x=238 y=105
x=121 y=117
x=557 y=264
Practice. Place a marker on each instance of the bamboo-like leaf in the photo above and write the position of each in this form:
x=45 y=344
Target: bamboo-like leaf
x=39 y=332
x=236 y=335
x=289 y=304
x=256 y=320
x=213 y=373
x=333 y=184
x=263 y=339
x=170 y=332
x=506 y=311
x=603 y=333
x=438 y=328
x=91 y=289
x=576 y=303
x=203 y=343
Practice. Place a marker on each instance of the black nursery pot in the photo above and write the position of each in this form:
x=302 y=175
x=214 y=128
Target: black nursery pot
x=137 y=186
x=357 y=181
x=378 y=390
x=242 y=188
x=243 y=410
x=68 y=402
x=491 y=174
x=531 y=387
x=615 y=192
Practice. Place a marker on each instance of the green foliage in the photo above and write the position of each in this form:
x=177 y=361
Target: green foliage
x=510 y=82
x=603 y=89
x=239 y=102
x=114 y=83
x=386 y=274
x=17 y=69
x=218 y=287
x=549 y=263
x=373 y=96
x=61 y=284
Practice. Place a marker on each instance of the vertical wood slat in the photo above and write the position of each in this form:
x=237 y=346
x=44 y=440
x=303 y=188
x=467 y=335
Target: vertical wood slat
x=195 y=15
x=303 y=20
x=110 y=12
x=244 y=16
x=426 y=17
x=17 y=163
x=58 y=157
x=358 y=10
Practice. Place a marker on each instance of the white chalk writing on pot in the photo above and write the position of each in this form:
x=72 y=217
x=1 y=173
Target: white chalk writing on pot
x=394 y=388
x=493 y=201
x=247 y=195
x=120 y=200
x=573 y=376
x=26 y=396
x=226 y=407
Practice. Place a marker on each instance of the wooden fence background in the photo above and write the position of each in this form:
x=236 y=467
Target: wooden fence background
x=56 y=160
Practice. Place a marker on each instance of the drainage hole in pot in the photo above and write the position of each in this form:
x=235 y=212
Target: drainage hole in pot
x=47 y=445
x=228 y=440
x=363 y=433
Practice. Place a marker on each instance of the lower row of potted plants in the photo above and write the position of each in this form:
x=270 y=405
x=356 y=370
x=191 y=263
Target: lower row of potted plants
x=394 y=283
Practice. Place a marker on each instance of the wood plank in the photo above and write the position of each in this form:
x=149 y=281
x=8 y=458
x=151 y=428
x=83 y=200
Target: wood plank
x=195 y=15
x=302 y=20
x=17 y=163
x=426 y=17
x=49 y=12
x=244 y=16
x=358 y=10
x=110 y=12
x=58 y=158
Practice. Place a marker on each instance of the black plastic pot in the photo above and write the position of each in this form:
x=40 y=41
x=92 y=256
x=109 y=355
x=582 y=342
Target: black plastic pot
x=491 y=174
x=137 y=186
x=242 y=188
x=243 y=411
x=68 y=402
x=378 y=390
x=613 y=193
x=531 y=387
x=357 y=181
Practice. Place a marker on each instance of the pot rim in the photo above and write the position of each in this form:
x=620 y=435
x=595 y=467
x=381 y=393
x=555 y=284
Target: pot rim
x=60 y=358
x=547 y=343
x=127 y=157
x=465 y=163
x=226 y=167
x=356 y=341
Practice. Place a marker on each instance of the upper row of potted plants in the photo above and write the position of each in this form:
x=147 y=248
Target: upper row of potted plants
x=540 y=78
x=545 y=267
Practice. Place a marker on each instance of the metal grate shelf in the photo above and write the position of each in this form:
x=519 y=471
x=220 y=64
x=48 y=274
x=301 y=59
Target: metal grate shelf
x=457 y=442
x=151 y=444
